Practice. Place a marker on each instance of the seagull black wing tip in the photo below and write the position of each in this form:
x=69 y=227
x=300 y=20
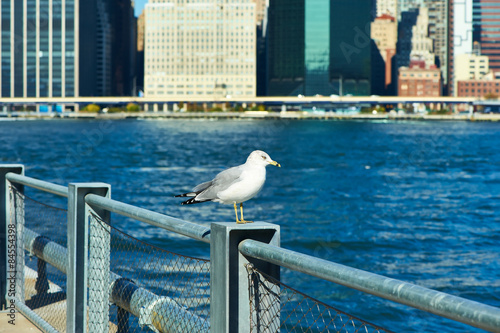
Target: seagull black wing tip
x=193 y=201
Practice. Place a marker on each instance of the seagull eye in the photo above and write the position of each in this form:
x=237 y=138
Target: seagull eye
x=263 y=157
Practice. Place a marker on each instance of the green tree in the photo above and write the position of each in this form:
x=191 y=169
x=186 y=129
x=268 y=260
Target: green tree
x=92 y=108
x=132 y=107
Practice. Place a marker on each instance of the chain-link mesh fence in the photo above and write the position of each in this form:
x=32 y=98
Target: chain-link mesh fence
x=277 y=307
x=166 y=275
x=182 y=279
x=44 y=285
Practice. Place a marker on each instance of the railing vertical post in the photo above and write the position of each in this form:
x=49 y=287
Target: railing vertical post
x=78 y=253
x=229 y=288
x=7 y=274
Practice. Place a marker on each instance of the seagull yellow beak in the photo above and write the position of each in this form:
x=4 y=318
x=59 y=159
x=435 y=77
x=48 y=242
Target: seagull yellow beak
x=275 y=164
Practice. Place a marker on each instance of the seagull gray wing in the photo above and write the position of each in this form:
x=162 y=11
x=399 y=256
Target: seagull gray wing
x=220 y=183
x=202 y=186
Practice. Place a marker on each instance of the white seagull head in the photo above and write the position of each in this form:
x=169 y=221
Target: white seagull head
x=262 y=158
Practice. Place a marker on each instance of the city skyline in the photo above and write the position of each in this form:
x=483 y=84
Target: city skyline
x=442 y=36
x=241 y=47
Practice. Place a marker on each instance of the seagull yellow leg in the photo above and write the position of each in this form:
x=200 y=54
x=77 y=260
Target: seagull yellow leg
x=236 y=212
x=242 y=219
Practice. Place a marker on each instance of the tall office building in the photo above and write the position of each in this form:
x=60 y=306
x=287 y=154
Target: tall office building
x=422 y=46
x=260 y=10
x=450 y=67
x=405 y=36
x=122 y=47
x=39 y=48
x=57 y=48
x=200 y=48
x=439 y=12
x=462 y=19
x=486 y=30
x=387 y=7
x=439 y=33
x=319 y=47
x=384 y=32
x=141 y=25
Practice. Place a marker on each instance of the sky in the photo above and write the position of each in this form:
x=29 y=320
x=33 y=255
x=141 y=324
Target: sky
x=139 y=6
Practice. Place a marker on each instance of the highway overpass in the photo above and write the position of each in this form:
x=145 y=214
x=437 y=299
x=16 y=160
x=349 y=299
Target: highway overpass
x=165 y=103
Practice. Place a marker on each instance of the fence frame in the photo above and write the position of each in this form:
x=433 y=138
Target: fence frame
x=232 y=246
x=444 y=305
x=82 y=199
x=5 y=279
x=229 y=286
x=78 y=263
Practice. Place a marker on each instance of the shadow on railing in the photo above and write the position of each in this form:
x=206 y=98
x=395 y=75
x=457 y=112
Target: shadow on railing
x=84 y=264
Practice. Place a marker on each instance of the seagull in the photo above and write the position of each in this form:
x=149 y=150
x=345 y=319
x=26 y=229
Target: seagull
x=234 y=185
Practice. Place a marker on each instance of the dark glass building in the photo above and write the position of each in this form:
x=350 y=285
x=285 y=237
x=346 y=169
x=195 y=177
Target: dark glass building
x=64 y=48
x=38 y=48
x=319 y=47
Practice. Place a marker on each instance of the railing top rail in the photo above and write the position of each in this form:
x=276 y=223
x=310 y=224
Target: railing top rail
x=173 y=224
x=38 y=184
x=445 y=305
x=182 y=227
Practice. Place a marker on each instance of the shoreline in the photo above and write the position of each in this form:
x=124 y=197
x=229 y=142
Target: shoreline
x=265 y=115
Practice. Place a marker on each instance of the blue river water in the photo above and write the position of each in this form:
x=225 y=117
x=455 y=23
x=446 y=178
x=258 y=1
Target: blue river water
x=416 y=201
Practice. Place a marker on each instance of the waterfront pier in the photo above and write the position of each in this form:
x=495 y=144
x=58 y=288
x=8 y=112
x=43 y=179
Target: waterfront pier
x=97 y=277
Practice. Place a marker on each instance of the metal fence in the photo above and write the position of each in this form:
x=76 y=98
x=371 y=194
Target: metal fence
x=72 y=270
x=279 y=307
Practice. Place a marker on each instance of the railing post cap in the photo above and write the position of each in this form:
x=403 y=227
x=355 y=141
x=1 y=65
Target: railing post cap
x=89 y=185
x=258 y=225
x=12 y=166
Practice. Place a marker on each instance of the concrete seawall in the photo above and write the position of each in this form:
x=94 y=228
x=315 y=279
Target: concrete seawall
x=248 y=115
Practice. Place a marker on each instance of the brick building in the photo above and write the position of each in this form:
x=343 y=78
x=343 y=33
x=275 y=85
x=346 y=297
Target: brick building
x=419 y=80
x=478 y=88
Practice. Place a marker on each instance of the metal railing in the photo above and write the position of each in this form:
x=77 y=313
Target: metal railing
x=232 y=248
x=152 y=310
x=439 y=303
x=169 y=223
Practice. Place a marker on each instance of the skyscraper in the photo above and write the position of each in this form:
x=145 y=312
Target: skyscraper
x=201 y=48
x=387 y=7
x=462 y=19
x=58 y=48
x=141 y=24
x=486 y=23
x=422 y=46
x=384 y=33
x=123 y=47
x=405 y=36
x=319 y=47
x=39 y=48
x=439 y=12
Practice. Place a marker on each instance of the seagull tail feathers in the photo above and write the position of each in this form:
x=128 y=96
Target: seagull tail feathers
x=190 y=194
x=193 y=201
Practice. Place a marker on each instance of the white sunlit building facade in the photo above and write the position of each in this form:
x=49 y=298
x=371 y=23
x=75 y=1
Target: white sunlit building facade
x=200 y=48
